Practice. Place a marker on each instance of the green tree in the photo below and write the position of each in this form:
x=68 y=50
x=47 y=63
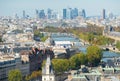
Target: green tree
x=77 y=60
x=60 y=65
x=0 y=39
x=15 y=75
x=74 y=62
x=34 y=75
x=118 y=45
x=94 y=55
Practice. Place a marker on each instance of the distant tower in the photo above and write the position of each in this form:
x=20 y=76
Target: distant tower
x=75 y=12
x=42 y=14
x=37 y=14
x=24 y=14
x=49 y=13
x=110 y=15
x=47 y=71
x=83 y=13
x=69 y=13
x=64 y=13
x=103 y=14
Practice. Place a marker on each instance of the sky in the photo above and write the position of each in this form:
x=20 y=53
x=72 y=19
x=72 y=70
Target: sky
x=92 y=7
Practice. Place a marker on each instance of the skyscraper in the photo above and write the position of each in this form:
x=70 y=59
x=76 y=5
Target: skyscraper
x=110 y=15
x=64 y=13
x=42 y=14
x=103 y=14
x=37 y=14
x=83 y=13
x=69 y=13
x=74 y=13
x=49 y=13
x=24 y=14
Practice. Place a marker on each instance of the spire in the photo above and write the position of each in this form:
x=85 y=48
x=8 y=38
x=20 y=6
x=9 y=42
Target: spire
x=48 y=62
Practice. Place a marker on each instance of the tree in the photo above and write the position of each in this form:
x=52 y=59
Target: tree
x=0 y=39
x=94 y=55
x=15 y=75
x=60 y=65
x=118 y=45
x=36 y=33
x=74 y=62
x=77 y=60
x=34 y=75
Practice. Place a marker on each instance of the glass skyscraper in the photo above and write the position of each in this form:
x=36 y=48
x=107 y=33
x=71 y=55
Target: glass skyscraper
x=103 y=14
x=64 y=13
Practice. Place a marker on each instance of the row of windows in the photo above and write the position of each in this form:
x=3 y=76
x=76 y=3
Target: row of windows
x=7 y=62
x=10 y=66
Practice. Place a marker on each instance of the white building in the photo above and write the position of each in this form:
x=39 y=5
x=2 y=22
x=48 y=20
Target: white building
x=47 y=71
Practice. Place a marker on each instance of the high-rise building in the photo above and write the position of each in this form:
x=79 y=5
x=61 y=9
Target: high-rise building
x=110 y=15
x=64 y=13
x=103 y=14
x=24 y=14
x=37 y=14
x=69 y=13
x=49 y=13
x=74 y=13
x=83 y=13
x=42 y=14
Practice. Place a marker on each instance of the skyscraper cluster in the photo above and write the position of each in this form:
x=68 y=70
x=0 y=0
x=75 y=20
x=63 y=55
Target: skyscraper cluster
x=48 y=15
x=67 y=13
x=73 y=13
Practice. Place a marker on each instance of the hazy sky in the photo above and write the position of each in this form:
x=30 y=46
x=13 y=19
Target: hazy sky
x=92 y=7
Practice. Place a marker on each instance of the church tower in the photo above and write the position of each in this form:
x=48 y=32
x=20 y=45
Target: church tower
x=47 y=71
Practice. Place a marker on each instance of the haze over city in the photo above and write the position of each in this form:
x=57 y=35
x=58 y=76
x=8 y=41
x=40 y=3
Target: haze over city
x=92 y=7
x=59 y=40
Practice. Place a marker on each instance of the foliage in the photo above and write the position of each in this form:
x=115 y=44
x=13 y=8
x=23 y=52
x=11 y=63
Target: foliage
x=41 y=35
x=15 y=75
x=44 y=38
x=34 y=74
x=118 y=45
x=94 y=55
x=1 y=39
x=95 y=39
x=60 y=65
x=77 y=60
x=43 y=63
x=37 y=33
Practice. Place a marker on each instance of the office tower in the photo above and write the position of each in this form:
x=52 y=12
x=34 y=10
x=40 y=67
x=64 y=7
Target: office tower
x=110 y=15
x=64 y=13
x=74 y=13
x=24 y=14
x=83 y=13
x=54 y=15
x=103 y=14
x=49 y=13
x=16 y=16
x=37 y=14
x=69 y=13
x=42 y=14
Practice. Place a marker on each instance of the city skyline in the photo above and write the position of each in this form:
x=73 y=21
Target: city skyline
x=94 y=7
